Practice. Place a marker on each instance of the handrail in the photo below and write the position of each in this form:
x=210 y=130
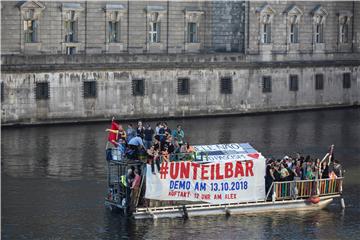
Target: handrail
x=269 y=191
x=181 y=156
x=116 y=155
x=312 y=180
x=306 y=188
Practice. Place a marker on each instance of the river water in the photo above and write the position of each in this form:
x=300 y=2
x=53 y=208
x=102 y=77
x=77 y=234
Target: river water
x=54 y=180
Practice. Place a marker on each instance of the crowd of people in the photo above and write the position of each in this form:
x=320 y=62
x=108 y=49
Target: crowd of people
x=143 y=142
x=156 y=145
x=301 y=168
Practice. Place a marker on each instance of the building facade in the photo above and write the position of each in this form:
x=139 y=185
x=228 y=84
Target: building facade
x=134 y=27
x=65 y=61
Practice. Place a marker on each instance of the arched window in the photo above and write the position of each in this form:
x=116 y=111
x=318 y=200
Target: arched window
x=30 y=12
x=114 y=13
x=154 y=16
x=265 y=15
x=319 y=17
x=344 y=22
x=294 y=15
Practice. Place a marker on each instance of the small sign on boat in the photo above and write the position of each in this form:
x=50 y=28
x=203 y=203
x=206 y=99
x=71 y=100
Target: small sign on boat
x=225 y=152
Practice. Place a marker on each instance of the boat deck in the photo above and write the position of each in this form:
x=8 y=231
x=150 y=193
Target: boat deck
x=192 y=210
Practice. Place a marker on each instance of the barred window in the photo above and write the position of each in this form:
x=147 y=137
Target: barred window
x=42 y=91
x=138 y=87
x=90 y=90
x=294 y=83
x=266 y=84
x=226 y=85
x=346 y=80
x=183 y=86
x=319 y=81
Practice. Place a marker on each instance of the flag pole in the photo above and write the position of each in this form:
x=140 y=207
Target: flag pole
x=331 y=153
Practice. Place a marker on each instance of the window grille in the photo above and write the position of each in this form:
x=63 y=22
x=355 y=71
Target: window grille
x=226 y=85
x=42 y=91
x=138 y=87
x=183 y=86
x=294 y=83
x=319 y=81
x=90 y=89
x=346 y=80
x=266 y=84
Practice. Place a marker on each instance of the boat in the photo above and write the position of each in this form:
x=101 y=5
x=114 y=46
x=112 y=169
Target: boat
x=219 y=179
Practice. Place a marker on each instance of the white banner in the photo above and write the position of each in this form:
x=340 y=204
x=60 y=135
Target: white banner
x=225 y=152
x=223 y=182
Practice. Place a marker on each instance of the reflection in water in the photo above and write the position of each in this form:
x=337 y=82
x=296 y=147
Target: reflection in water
x=318 y=127
x=266 y=126
x=42 y=144
x=294 y=225
x=227 y=126
x=54 y=178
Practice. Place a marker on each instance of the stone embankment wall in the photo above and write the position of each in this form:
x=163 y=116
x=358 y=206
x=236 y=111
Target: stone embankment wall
x=114 y=89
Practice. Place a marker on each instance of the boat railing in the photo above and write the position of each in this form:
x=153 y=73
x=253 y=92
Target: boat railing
x=186 y=156
x=114 y=154
x=305 y=188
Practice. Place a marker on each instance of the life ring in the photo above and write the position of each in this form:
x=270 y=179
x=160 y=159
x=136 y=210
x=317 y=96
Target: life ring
x=314 y=200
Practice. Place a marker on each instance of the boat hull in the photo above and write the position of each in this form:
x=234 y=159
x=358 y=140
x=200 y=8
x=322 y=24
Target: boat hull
x=193 y=210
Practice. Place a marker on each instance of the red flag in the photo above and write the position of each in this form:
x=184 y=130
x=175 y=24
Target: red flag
x=113 y=133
